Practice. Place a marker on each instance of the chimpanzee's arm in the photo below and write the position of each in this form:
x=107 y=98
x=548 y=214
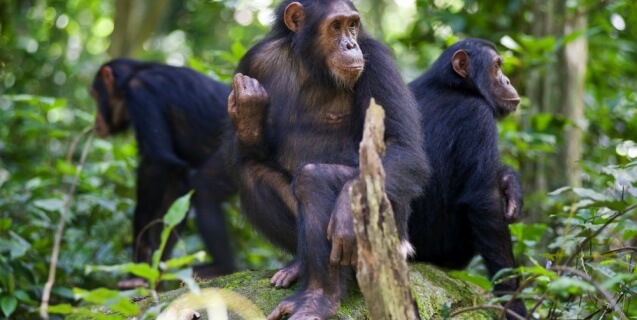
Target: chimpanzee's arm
x=511 y=188
x=247 y=107
x=405 y=162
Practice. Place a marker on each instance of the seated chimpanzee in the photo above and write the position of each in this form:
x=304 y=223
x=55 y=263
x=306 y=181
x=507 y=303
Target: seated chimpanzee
x=298 y=109
x=461 y=213
x=178 y=116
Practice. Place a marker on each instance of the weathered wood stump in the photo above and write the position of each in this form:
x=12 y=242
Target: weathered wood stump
x=382 y=272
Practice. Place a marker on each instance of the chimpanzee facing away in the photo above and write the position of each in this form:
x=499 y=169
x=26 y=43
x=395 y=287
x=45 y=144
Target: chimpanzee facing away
x=461 y=97
x=178 y=116
x=298 y=107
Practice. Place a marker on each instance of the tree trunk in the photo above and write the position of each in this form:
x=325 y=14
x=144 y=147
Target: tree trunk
x=575 y=59
x=382 y=271
x=135 y=22
x=543 y=91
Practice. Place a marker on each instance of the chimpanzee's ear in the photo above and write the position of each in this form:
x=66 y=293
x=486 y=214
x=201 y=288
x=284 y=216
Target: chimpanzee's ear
x=109 y=79
x=294 y=16
x=460 y=63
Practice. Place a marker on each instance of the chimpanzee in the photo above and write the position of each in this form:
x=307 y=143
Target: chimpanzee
x=179 y=117
x=298 y=107
x=461 y=96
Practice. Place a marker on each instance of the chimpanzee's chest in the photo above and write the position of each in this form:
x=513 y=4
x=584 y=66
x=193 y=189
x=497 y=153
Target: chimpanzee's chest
x=313 y=134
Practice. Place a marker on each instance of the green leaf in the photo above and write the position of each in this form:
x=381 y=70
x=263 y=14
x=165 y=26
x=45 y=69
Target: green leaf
x=156 y=258
x=573 y=36
x=178 y=211
x=51 y=205
x=22 y=296
x=559 y=191
x=5 y=224
x=591 y=194
x=112 y=299
x=142 y=270
x=613 y=205
x=238 y=50
x=8 y=305
x=99 y=296
x=61 y=309
x=124 y=306
x=621 y=279
x=181 y=262
x=64 y=292
x=534 y=231
x=31 y=99
x=17 y=246
x=173 y=217
x=538 y=271
x=479 y=280
x=567 y=286
x=542 y=121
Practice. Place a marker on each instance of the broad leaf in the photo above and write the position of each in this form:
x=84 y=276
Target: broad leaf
x=178 y=211
x=142 y=270
x=8 y=305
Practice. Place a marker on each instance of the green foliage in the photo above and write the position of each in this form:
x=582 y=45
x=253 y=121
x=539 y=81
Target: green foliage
x=119 y=302
x=576 y=245
x=44 y=107
x=588 y=269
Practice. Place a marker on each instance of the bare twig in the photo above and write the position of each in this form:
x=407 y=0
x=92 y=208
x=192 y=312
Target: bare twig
x=610 y=220
x=46 y=294
x=537 y=305
x=580 y=247
x=75 y=141
x=585 y=277
x=138 y=239
x=515 y=294
x=621 y=250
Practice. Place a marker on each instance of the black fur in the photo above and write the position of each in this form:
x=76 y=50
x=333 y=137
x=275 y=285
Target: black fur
x=461 y=213
x=179 y=117
x=298 y=134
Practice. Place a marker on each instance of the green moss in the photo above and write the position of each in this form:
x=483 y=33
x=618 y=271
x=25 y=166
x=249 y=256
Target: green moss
x=432 y=288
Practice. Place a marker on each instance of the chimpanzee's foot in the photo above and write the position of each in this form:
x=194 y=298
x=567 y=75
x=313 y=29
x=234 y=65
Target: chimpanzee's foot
x=287 y=275
x=131 y=283
x=309 y=305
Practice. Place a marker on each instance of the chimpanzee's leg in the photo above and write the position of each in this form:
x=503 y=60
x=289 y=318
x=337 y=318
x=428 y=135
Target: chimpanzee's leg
x=317 y=188
x=158 y=186
x=268 y=203
x=492 y=240
x=213 y=185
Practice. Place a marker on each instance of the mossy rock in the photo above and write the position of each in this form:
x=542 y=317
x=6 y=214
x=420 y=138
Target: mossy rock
x=245 y=292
